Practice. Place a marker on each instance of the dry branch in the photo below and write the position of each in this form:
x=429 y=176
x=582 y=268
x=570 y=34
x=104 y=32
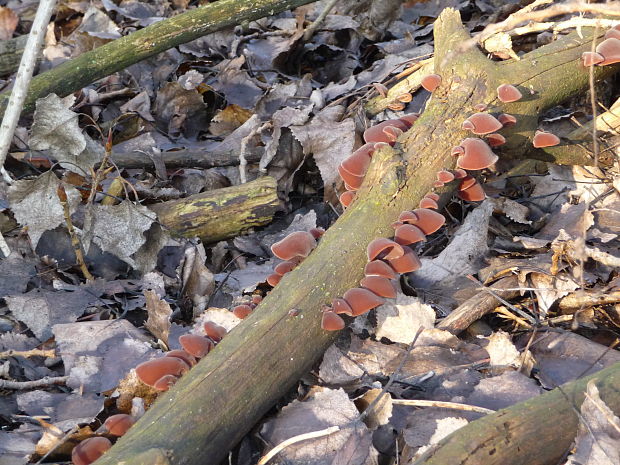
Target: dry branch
x=210 y=409
x=221 y=213
x=479 y=305
x=538 y=431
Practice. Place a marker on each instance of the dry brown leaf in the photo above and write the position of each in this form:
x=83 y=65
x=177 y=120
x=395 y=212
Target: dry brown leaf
x=159 y=311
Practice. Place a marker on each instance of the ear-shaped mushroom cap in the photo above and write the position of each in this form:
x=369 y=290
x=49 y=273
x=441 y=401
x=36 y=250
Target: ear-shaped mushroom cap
x=428 y=203
x=89 y=450
x=478 y=155
x=473 y=193
x=149 y=372
x=445 y=176
x=377 y=133
x=362 y=300
x=383 y=287
x=347 y=198
x=242 y=311
x=358 y=162
x=317 y=233
x=480 y=106
x=297 y=244
x=433 y=195
x=456 y=151
x=409 y=119
x=214 y=331
x=351 y=181
x=614 y=32
x=183 y=355
x=591 y=58
x=508 y=93
x=467 y=182
x=285 y=267
x=407 y=263
x=482 y=123
x=545 y=139
x=459 y=173
x=196 y=345
x=429 y=221
x=273 y=279
x=384 y=248
x=507 y=120
x=408 y=217
x=495 y=140
x=341 y=306
x=408 y=234
x=610 y=49
x=119 y=424
x=378 y=268
x=165 y=382
x=431 y=81
x=331 y=321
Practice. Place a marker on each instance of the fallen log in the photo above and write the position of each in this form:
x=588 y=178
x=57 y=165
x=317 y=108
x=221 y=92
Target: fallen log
x=221 y=213
x=210 y=409
x=538 y=431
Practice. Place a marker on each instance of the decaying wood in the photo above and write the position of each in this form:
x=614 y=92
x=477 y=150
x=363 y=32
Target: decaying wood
x=221 y=213
x=72 y=75
x=538 y=431
x=10 y=53
x=410 y=83
x=210 y=409
x=185 y=158
x=587 y=298
x=479 y=305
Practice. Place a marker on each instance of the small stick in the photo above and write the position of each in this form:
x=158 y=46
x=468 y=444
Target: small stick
x=50 y=353
x=22 y=81
x=295 y=439
x=75 y=240
x=47 y=381
x=440 y=404
x=310 y=30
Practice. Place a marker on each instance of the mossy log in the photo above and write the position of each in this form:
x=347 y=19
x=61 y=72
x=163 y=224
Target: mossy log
x=11 y=53
x=117 y=55
x=210 y=409
x=538 y=431
x=221 y=213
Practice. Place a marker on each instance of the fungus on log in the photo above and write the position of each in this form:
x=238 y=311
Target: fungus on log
x=119 y=424
x=176 y=425
x=508 y=93
x=89 y=450
x=431 y=82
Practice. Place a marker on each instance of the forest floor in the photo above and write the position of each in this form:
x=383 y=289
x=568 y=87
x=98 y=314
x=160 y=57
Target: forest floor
x=288 y=97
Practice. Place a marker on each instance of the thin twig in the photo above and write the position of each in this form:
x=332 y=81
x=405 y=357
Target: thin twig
x=528 y=14
x=22 y=81
x=310 y=30
x=440 y=404
x=295 y=439
x=47 y=381
x=530 y=318
x=49 y=353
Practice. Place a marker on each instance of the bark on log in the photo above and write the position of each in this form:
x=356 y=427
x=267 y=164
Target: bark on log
x=11 y=53
x=163 y=35
x=186 y=158
x=538 y=431
x=210 y=409
x=479 y=305
x=221 y=213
